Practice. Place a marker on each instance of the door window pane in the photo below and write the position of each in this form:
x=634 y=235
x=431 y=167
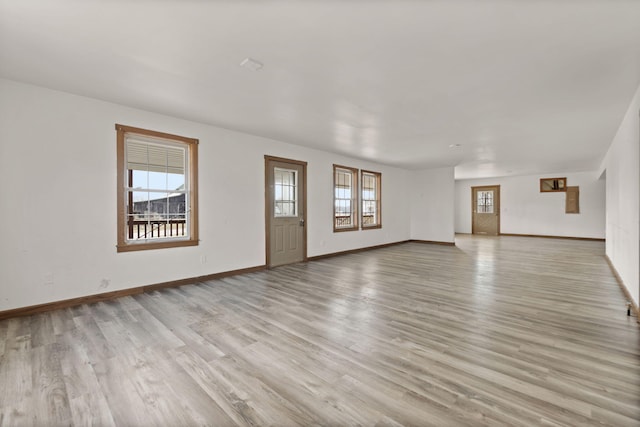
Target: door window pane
x=285 y=193
x=484 y=202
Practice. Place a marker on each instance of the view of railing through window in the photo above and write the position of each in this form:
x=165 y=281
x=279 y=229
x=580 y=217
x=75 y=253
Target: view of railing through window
x=158 y=218
x=344 y=198
x=157 y=189
x=368 y=219
x=146 y=229
x=370 y=199
x=156 y=196
x=347 y=221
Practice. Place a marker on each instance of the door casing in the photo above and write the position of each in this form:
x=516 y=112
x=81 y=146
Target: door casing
x=302 y=200
x=496 y=206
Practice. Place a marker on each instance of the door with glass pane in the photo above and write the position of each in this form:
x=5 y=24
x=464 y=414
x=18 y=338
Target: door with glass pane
x=285 y=211
x=485 y=210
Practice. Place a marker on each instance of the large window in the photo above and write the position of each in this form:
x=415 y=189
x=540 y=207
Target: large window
x=345 y=198
x=157 y=190
x=371 y=199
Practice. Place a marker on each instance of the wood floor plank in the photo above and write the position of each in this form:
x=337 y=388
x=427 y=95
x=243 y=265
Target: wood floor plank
x=231 y=399
x=48 y=387
x=16 y=374
x=496 y=331
x=189 y=395
x=87 y=402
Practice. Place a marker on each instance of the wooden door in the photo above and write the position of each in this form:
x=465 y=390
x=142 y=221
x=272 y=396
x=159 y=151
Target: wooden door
x=485 y=210
x=285 y=207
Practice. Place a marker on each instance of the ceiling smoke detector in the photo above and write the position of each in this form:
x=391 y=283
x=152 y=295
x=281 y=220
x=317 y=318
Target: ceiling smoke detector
x=251 y=64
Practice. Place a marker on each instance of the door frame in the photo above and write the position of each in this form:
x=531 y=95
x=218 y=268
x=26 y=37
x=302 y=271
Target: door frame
x=473 y=203
x=267 y=213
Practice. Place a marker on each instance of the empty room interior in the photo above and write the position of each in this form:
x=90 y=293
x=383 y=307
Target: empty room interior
x=376 y=213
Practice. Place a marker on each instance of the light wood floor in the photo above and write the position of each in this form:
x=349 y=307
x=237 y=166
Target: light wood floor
x=496 y=331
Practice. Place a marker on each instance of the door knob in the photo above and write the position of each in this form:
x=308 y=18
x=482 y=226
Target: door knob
x=302 y=223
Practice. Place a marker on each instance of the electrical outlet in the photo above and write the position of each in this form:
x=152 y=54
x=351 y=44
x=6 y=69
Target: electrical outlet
x=48 y=279
x=104 y=283
x=203 y=259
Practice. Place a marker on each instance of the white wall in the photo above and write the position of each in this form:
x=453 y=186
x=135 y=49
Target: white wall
x=432 y=205
x=525 y=210
x=622 y=167
x=58 y=203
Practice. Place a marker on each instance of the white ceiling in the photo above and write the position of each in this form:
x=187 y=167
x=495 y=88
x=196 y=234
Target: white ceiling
x=523 y=86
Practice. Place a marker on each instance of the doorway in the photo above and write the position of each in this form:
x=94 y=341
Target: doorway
x=485 y=210
x=285 y=211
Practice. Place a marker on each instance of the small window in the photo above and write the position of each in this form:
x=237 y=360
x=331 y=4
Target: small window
x=485 y=202
x=345 y=198
x=549 y=185
x=285 y=184
x=371 y=199
x=157 y=190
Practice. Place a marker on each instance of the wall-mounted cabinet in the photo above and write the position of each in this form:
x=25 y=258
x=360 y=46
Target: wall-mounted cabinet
x=573 y=200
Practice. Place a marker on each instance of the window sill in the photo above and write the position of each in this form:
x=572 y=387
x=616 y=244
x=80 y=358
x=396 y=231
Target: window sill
x=340 y=230
x=155 y=245
x=372 y=227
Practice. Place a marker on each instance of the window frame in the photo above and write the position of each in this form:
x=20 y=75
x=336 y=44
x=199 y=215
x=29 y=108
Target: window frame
x=191 y=177
x=292 y=191
x=354 y=198
x=553 y=185
x=378 y=200
x=484 y=200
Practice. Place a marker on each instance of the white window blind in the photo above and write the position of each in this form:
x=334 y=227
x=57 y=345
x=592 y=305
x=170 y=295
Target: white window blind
x=150 y=156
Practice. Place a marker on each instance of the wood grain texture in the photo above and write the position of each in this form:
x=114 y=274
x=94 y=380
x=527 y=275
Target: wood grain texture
x=504 y=331
x=107 y=296
x=355 y=251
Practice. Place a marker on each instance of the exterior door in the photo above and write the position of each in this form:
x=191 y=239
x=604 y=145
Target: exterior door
x=285 y=206
x=485 y=210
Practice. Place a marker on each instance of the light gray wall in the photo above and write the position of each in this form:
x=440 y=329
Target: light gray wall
x=58 y=168
x=432 y=205
x=622 y=169
x=525 y=210
x=58 y=204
